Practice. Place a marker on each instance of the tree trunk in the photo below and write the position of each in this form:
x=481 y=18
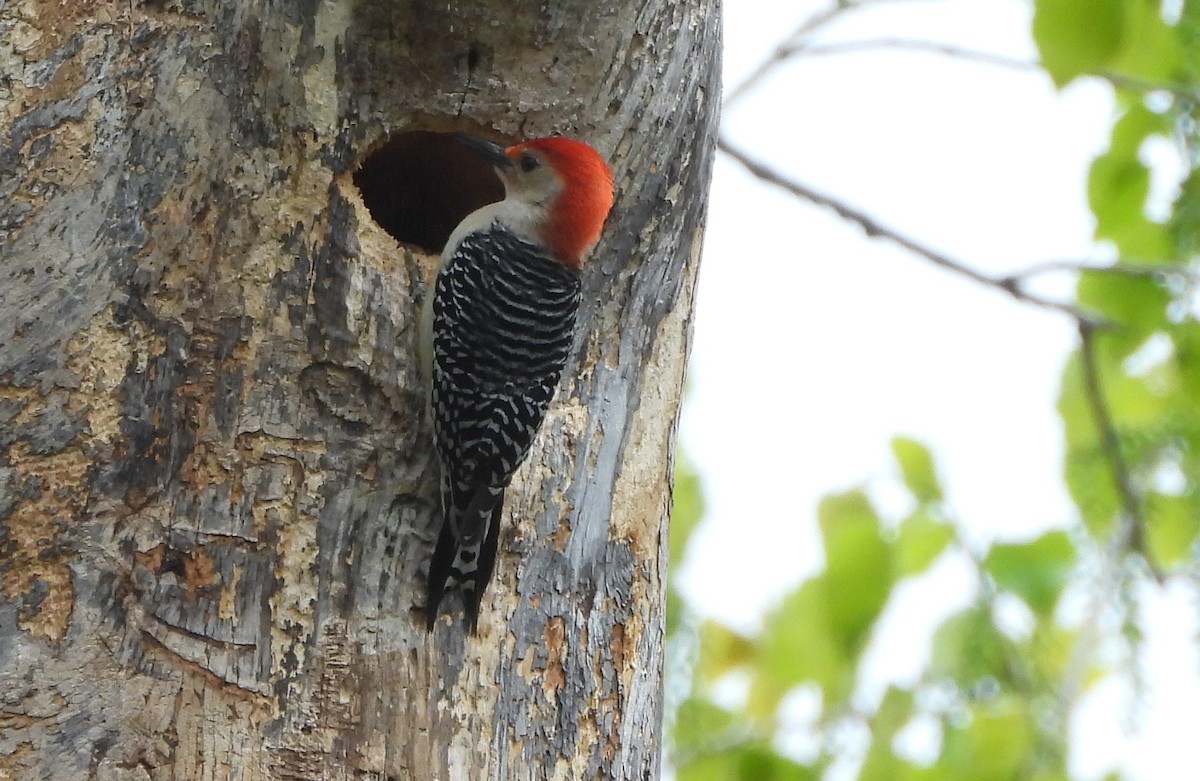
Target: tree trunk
x=217 y=492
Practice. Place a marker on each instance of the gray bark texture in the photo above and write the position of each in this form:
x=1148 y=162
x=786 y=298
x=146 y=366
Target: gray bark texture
x=217 y=492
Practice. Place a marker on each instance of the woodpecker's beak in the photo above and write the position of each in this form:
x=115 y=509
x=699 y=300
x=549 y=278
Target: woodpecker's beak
x=489 y=150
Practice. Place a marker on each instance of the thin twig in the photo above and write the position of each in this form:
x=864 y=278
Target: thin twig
x=1128 y=268
x=1132 y=527
x=1134 y=84
x=779 y=55
x=782 y=51
x=893 y=44
x=874 y=229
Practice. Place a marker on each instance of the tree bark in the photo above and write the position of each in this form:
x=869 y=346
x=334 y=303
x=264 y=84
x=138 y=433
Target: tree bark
x=217 y=493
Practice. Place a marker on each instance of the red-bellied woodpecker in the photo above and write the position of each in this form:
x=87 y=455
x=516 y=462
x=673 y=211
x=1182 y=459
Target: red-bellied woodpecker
x=497 y=332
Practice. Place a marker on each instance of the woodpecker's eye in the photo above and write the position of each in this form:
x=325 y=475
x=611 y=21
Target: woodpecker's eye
x=529 y=162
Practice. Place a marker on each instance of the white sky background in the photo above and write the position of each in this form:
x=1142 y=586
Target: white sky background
x=815 y=345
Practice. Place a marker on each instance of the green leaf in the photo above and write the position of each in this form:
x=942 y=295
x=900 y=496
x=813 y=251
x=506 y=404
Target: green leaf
x=676 y=610
x=750 y=762
x=893 y=713
x=799 y=645
x=1088 y=476
x=1078 y=36
x=697 y=722
x=967 y=648
x=881 y=764
x=762 y=763
x=1050 y=650
x=997 y=743
x=687 y=509
x=1119 y=182
x=920 y=540
x=1087 y=471
x=1188 y=35
x=686 y=513
x=722 y=650
x=1185 y=217
x=1137 y=302
x=1035 y=571
x=916 y=465
x=1151 y=50
x=1172 y=525
x=858 y=567
x=1053 y=775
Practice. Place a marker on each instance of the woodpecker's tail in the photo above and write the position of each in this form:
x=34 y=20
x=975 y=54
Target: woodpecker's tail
x=465 y=555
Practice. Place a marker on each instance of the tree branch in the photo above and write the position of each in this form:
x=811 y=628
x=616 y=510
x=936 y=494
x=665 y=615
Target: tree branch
x=1131 y=532
x=874 y=229
x=929 y=47
x=1134 y=84
x=786 y=48
x=1127 y=267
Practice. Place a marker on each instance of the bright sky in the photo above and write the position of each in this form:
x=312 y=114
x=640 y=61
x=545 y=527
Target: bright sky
x=815 y=345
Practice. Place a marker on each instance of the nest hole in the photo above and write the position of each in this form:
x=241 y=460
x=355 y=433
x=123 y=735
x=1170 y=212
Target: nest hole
x=420 y=184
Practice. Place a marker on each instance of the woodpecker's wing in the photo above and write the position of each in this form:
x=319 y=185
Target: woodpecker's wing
x=503 y=323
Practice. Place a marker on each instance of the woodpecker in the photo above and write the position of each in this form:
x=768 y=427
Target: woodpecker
x=496 y=334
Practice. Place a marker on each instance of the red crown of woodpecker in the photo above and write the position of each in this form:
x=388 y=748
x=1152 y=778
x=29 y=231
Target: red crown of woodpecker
x=578 y=213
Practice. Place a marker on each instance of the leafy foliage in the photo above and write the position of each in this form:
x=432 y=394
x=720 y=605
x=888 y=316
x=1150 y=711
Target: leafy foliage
x=1005 y=671
x=981 y=691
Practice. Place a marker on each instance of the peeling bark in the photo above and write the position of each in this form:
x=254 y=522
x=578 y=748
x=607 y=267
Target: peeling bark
x=216 y=488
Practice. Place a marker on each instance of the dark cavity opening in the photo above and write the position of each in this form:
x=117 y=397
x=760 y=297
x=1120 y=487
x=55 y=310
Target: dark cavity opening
x=419 y=185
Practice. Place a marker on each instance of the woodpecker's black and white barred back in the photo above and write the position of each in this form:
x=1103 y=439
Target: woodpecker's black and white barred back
x=496 y=334
x=504 y=321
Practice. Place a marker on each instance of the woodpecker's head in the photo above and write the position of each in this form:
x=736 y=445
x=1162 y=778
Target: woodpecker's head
x=560 y=191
